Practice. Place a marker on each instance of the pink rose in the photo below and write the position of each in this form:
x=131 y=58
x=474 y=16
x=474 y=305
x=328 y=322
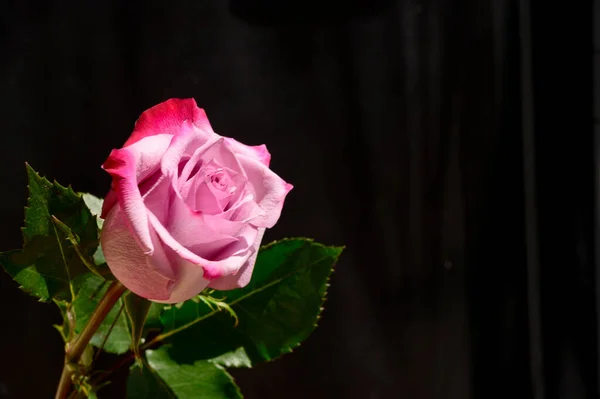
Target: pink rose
x=188 y=208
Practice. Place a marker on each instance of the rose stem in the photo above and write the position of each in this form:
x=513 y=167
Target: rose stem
x=75 y=349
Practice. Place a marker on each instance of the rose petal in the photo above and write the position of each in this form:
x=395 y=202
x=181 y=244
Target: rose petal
x=202 y=199
x=110 y=200
x=258 y=152
x=226 y=227
x=149 y=276
x=204 y=195
x=212 y=269
x=208 y=236
x=244 y=210
x=184 y=138
x=148 y=154
x=190 y=282
x=143 y=158
x=185 y=184
x=121 y=166
x=189 y=229
x=167 y=117
x=157 y=196
x=202 y=154
x=270 y=190
x=219 y=151
x=244 y=275
x=191 y=187
x=240 y=247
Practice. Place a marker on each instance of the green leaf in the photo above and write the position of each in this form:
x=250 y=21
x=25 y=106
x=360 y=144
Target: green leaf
x=113 y=334
x=98 y=257
x=95 y=206
x=277 y=311
x=101 y=269
x=145 y=383
x=49 y=261
x=137 y=309
x=161 y=377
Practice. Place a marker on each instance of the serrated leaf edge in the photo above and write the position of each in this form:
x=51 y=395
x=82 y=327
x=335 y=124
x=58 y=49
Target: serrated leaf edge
x=30 y=170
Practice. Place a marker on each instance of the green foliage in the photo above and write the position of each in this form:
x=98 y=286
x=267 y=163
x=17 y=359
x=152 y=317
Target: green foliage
x=94 y=204
x=113 y=335
x=162 y=377
x=60 y=239
x=60 y=236
x=137 y=311
x=145 y=383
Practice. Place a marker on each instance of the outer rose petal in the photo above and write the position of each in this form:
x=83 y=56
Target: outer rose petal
x=142 y=157
x=212 y=269
x=167 y=117
x=149 y=276
x=259 y=152
x=244 y=275
x=121 y=166
x=270 y=190
x=190 y=282
x=109 y=202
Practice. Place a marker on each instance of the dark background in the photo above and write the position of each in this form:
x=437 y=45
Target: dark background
x=448 y=144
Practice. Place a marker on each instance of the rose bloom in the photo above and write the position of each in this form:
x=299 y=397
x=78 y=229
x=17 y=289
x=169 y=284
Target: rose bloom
x=188 y=208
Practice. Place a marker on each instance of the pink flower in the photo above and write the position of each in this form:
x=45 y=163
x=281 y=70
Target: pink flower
x=188 y=208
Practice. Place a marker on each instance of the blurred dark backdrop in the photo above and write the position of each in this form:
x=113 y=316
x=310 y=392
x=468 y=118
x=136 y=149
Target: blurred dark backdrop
x=449 y=144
